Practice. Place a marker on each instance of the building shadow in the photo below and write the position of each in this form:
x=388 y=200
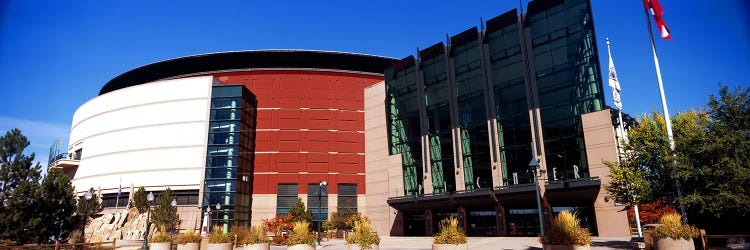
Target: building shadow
x=612 y=244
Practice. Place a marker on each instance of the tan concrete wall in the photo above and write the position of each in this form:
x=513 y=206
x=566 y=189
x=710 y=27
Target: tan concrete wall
x=383 y=175
x=264 y=207
x=600 y=146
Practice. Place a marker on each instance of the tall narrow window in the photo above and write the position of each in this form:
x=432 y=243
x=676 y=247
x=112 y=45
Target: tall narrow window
x=347 y=199
x=287 y=196
x=317 y=202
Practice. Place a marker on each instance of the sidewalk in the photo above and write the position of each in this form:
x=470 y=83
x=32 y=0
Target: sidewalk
x=425 y=243
x=499 y=243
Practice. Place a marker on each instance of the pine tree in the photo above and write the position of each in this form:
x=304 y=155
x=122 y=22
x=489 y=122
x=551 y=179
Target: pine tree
x=57 y=207
x=163 y=213
x=19 y=189
x=94 y=206
x=140 y=201
x=299 y=213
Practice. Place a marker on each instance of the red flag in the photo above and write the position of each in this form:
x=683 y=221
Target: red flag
x=654 y=7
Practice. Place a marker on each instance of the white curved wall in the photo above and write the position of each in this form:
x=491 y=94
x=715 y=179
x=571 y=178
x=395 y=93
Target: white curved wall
x=151 y=135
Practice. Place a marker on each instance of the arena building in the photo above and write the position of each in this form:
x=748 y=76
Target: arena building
x=250 y=130
x=463 y=129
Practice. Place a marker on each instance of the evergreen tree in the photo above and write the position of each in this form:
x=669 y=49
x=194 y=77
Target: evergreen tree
x=19 y=189
x=94 y=206
x=57 y=207
x=164 y=214
x=299 y=213
x=140 y=201
x=715 y=167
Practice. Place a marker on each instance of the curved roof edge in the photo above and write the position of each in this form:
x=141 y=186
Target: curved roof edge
x=248 y=59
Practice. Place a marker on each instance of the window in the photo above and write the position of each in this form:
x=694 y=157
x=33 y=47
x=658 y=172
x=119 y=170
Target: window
x=286 y=197
x=110 y=200
x=318 y=207
x=347 y=199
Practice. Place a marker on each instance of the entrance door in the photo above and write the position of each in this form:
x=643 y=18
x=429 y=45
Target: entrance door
x=414 y=225
x=522 y=222
x=481 y=223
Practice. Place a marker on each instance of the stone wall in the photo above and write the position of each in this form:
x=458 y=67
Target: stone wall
x=123 y=225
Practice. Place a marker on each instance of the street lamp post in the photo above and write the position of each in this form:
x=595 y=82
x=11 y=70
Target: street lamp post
x=534 y=166
x=320 y=204
x=150 y=198
x=173 y=214
x=87 y=197
x=218 y=207
x=208 y=214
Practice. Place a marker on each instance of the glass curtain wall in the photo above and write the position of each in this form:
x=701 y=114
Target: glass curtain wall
x=437 y=96
x=568 y=80
x=228 y=178
x=472 y=116
x=506 y=69
x=402 y=104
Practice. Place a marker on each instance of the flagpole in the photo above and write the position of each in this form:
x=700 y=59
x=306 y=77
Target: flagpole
x=621 y=126
x=667 y=119
x=117 y=200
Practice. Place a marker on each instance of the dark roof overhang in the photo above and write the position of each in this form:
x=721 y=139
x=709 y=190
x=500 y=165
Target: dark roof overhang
x=247 y=60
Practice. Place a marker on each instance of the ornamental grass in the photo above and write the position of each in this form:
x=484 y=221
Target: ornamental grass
x=566 y=230
x=301 y=235
x=672 y=227
x=189 y=237
x=363 y=236
x=217 y=236
x=256 y=235
x=162 y=236
x=450 y=233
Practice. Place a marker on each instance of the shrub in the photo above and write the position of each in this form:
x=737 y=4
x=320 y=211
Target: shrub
x=255 y=236
x=189 y=237
x=162 y=236
x=240 y=231
x=363 y=235
x=566 y=230
x=450 y=233
x=671 y=227
x=278 y=224
x=300 y=234
x=278 y=240
x=217 y=235
x=352 y=220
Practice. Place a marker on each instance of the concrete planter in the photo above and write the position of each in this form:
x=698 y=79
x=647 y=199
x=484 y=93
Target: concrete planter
x=357 y=247
x=300 y=247
x=160 y=246
x=257 y=246
x=220 y=246
x=449 y=247
x=189 y=246
x=564 y=247
x=670 y=244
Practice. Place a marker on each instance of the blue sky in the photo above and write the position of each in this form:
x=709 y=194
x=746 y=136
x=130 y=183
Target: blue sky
x=56 y=55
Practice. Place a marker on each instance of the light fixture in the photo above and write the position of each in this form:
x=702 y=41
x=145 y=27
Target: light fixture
x=88 y=195
x=150 y=196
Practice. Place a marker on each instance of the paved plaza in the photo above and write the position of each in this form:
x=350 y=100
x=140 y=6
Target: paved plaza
x=412 y=243
x=500 y=243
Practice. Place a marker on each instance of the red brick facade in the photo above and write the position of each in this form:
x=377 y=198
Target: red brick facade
x=310 y=127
